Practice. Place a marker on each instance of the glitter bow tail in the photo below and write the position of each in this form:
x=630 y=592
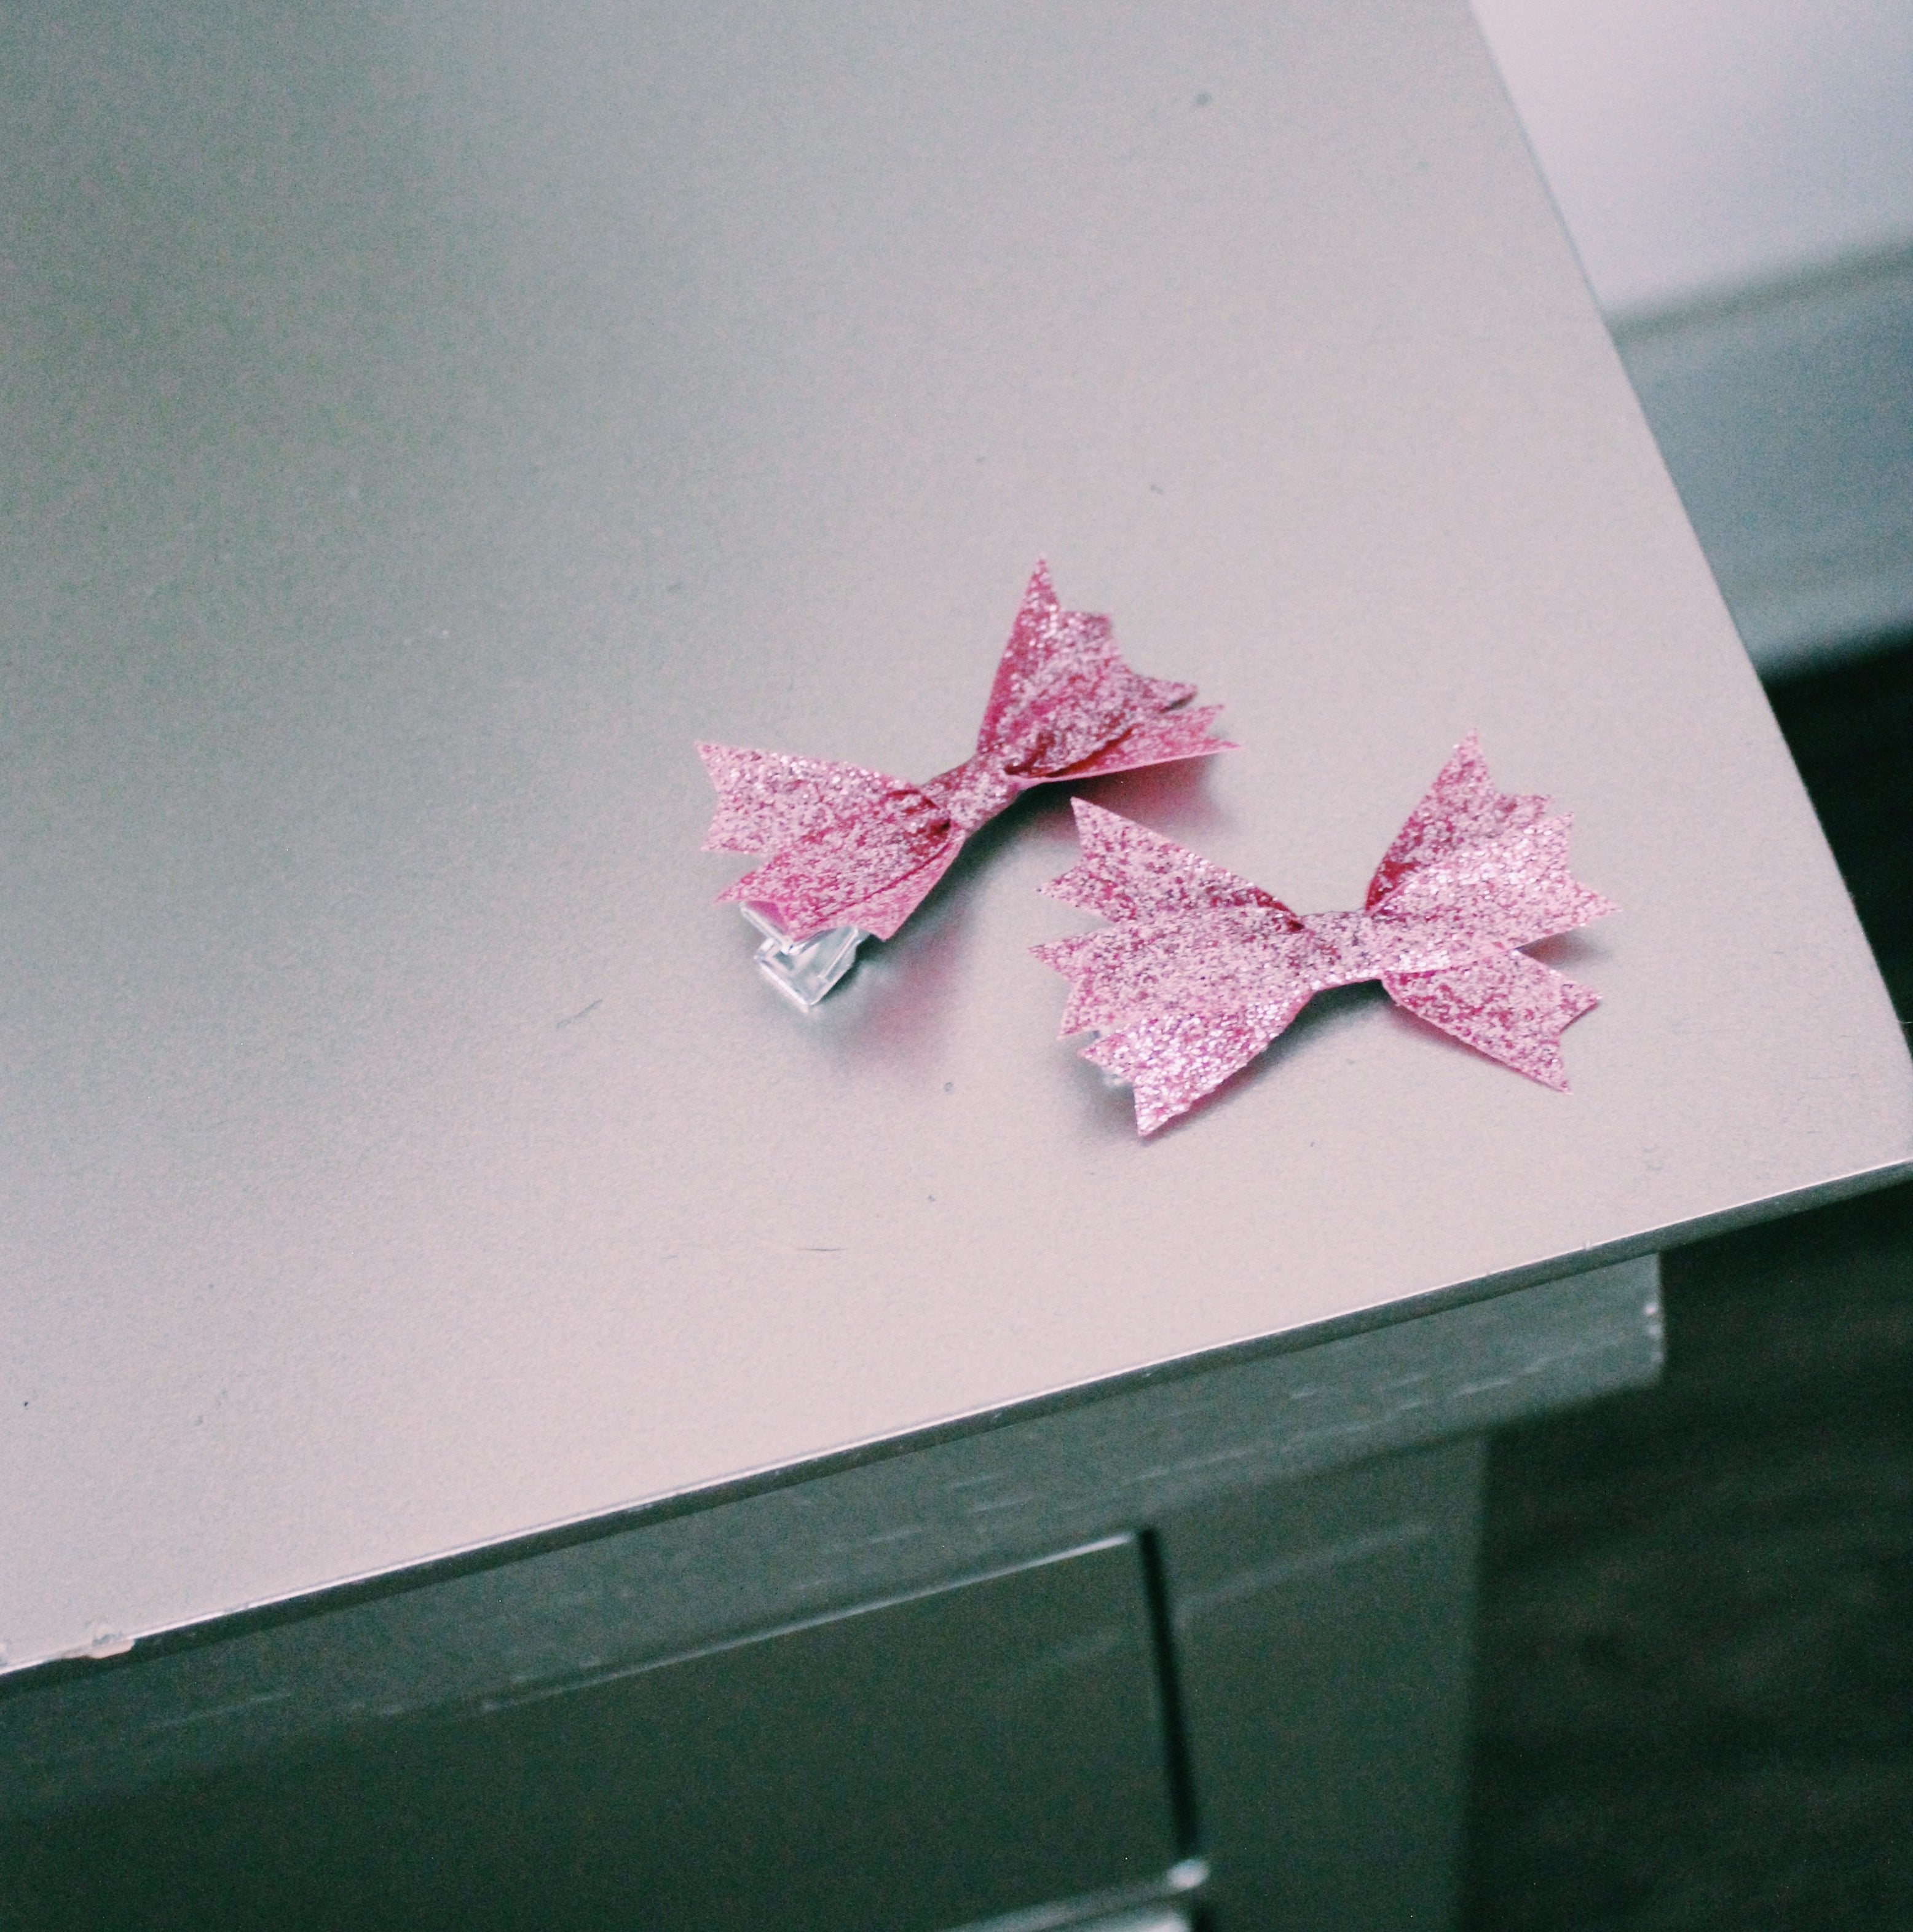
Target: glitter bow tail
x=1200 y=969
x=850 y=847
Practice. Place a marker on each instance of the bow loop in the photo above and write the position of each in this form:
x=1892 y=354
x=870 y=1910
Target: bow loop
x=1507 y=891
x=1463 y=807
x=1128 y=872
x=1061 y=693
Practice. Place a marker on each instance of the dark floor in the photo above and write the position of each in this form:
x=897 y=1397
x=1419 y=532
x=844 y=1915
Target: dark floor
x=1697 y=1671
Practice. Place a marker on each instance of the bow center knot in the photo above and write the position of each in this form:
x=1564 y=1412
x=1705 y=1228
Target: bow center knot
x=1338 y=949
x=973 y=792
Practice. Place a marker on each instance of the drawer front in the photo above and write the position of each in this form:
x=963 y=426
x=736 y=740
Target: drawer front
x=922 y=1763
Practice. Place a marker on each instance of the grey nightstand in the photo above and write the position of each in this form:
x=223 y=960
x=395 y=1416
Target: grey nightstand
x=503 y=1421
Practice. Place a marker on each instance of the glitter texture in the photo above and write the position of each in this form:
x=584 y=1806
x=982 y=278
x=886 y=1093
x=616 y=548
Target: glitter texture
x=1200 y=969
x=850 y=847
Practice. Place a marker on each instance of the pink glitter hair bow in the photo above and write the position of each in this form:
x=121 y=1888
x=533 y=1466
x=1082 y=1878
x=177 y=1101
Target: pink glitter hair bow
x=1200 y=969
x=854 y=852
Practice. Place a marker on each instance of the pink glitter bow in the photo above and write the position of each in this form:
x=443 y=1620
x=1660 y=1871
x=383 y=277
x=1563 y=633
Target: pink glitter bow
x=1202 y=970
x=852 y=847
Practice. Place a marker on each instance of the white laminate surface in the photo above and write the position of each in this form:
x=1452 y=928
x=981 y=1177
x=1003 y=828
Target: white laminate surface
x=423 y=423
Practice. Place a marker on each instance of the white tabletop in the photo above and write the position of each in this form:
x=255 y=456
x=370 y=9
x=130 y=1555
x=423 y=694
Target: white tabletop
x=424 y=433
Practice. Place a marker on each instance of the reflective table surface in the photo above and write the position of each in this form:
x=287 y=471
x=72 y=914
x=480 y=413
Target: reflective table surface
x=423 y=424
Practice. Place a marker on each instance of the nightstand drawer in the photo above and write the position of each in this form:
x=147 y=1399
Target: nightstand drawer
x=920 y=1763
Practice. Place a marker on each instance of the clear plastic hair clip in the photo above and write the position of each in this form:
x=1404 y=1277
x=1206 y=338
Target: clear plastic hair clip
x=847 y=842
x=805 y=970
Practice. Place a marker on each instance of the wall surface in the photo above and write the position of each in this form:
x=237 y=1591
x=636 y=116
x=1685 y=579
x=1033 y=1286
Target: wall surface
x=1714 y=142
x=1737 y=176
